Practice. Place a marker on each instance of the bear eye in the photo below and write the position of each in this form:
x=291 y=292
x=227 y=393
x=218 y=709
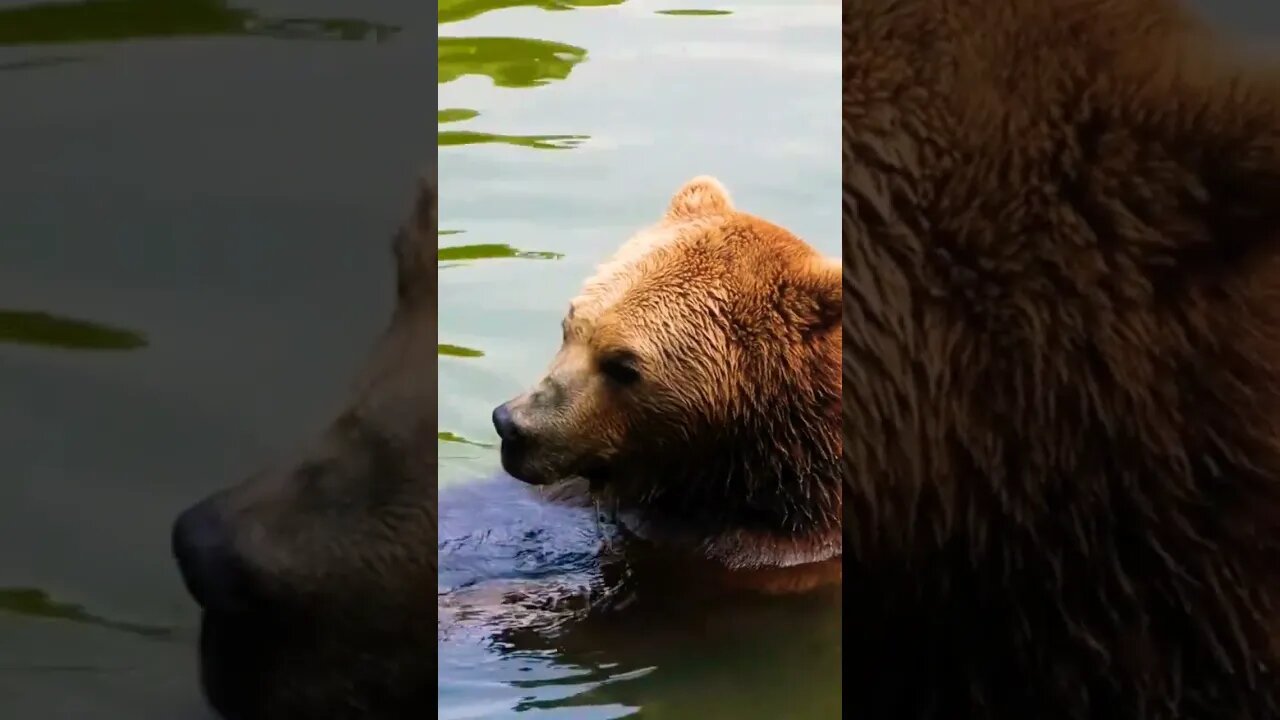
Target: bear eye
x=620 y=368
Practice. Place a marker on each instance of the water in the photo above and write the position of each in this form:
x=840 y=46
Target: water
x=580 y=125
x=562 y=132
x=195 y=204
x=211 y=187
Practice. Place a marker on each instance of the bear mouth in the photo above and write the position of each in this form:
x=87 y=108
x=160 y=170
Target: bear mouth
x=597 y=476
x=514 y=455
x=519 y=464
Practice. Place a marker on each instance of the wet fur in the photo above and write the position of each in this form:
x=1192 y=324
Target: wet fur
x=729 y=445
x=1061 y=362
x=339 y=539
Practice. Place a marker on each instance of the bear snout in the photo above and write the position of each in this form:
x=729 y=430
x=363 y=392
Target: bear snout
x=505 y=424
x=215 y=573
x=515 y=444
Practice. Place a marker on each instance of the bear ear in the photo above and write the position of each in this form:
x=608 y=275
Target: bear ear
x=425 y=216
x=701 y=196
x=414 y=243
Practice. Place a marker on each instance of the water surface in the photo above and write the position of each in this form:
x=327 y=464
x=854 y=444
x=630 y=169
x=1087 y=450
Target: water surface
x=564 y=127
x=196 y=201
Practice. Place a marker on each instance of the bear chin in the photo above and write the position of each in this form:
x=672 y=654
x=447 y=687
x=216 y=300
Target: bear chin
x=596 y=473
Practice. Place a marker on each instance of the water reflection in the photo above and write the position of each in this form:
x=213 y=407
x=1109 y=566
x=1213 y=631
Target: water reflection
x=455 y=10
x=445 y=436
x=37 y=603
x=458 y=351
x=25 y=327
x=447 y=138
x=694 y=12
x=676 y=659
x=449 y=115
x=605 y=635
x=35 y=63
x=489 y=251
x=94 y=21
x=457 y=255
x=509 y=62
x=536 y=615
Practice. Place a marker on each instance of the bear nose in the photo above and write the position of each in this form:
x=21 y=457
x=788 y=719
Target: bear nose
x=504 y=424
x=215 y=573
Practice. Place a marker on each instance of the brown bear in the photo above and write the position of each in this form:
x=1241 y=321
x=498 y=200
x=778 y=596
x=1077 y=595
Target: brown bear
x=316 y=577
x=1061 y=363
x=697 y=389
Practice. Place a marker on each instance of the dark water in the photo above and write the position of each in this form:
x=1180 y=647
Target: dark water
x=562 y=131
x=196 y=198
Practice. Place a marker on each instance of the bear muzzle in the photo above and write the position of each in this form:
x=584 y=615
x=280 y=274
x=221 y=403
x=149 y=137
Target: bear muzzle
x=515 y=446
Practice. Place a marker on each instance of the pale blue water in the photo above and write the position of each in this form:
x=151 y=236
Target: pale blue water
x=612 y=108
x=751 y=97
